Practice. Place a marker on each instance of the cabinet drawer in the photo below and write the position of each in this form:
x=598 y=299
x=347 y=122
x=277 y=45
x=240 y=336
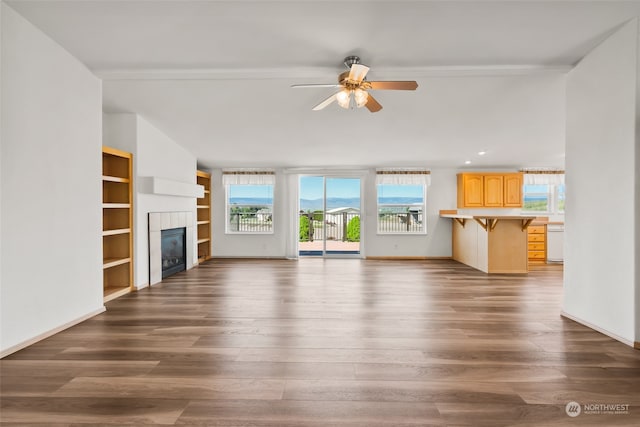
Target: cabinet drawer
x=536 y=237
x=534 y=229
x=536 y=254
x=538 y=246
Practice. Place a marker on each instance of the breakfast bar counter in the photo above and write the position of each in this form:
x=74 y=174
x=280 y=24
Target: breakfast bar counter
x=490 y=243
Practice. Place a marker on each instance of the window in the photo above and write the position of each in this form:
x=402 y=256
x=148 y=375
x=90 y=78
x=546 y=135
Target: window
x=249 y=200
x=401 y=208
x=402 y=200
x=544 y=193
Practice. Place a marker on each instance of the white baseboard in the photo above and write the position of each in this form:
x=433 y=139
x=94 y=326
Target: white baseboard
x=49 y=333
x=599 y=329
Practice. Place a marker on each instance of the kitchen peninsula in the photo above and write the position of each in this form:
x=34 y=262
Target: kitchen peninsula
x=490 y=243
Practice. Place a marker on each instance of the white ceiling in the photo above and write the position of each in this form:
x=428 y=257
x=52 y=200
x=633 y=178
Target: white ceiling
x=215 y=75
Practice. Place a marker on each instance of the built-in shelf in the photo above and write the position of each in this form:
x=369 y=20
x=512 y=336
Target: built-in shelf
x=115 y=292
x=116 y=205
x=203 y=220
x=117 y=223
x=115 y=179
x=112 y=262
x=116 y=231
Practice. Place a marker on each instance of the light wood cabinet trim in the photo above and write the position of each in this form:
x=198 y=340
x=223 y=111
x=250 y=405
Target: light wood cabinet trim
x=489 y=189
x=537 y=243
x=117 y=241
x=203 y=219
x=112 y=262
x=493 y=186
x=115 y=231
x=116 y=205
x=537 y=229
x=109 y=178
x=482 y=224
x=512 y=196
x=536 y=238
x=116 y=152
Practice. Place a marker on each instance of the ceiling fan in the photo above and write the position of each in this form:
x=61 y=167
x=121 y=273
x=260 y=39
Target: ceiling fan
x=354 y=87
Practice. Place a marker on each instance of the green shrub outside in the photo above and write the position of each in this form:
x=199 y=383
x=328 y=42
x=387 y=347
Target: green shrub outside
x=304 y=229
x=353 y=229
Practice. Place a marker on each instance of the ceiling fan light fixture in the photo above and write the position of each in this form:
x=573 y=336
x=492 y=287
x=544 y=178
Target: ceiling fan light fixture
x=361 y=97
x=344 y=98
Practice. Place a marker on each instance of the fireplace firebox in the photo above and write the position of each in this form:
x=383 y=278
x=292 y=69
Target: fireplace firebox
x=174 y=256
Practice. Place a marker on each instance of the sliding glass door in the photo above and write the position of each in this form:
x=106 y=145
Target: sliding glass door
x=329 y=209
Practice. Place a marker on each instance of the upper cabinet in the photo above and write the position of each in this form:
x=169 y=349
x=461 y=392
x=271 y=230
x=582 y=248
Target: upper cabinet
x=489 y=190
x=470 y=190
x=493 y=190
x=513 y=190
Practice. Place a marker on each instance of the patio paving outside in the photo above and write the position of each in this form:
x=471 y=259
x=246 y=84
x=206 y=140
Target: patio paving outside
x=332 y=245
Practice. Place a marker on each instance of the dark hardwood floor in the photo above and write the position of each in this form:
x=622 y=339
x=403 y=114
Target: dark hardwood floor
x=327 y=343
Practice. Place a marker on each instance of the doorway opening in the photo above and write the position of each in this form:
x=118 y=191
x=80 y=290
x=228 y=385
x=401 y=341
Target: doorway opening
x=329 y=216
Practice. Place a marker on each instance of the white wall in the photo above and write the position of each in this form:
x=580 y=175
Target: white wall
x=602 y=207
x=155 y=154
x=441 y=194
x=51 y=252
x=637 y=196
x=437 y=242
x=249 y=245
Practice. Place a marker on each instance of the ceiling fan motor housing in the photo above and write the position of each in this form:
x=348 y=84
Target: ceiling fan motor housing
x=350 y=60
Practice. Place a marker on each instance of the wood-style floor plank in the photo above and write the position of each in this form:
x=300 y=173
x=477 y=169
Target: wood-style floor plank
x=340 y=343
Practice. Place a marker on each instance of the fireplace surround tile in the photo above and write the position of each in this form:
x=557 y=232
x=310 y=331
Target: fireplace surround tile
x=159 y=221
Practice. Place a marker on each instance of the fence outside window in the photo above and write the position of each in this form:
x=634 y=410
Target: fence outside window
x=250 y=219
x=338 y=227
x=400 y=218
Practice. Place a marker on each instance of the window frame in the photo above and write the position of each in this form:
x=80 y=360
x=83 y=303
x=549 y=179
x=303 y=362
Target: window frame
x=423 y=222
x=553 y=199
x=228 y=206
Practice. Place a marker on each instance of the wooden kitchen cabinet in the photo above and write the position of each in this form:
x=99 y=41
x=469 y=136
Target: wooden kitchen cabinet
x=512 y=190
x=470 y=190
x=537 y=243
x=493 y=191
x=489 y=190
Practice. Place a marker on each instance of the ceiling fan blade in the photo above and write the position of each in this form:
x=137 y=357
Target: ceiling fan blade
x=316 y=85
x=403 y=85
x=372 y=104
x=358 y=72
x=326 y=102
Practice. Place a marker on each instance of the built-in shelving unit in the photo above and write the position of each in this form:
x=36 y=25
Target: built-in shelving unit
x=204 y=217
x=117 y=223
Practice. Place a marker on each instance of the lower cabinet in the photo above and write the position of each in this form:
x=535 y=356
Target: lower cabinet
x=537 y=243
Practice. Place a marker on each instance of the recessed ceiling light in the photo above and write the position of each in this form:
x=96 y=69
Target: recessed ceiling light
x=481 y=153
x=467 y=162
